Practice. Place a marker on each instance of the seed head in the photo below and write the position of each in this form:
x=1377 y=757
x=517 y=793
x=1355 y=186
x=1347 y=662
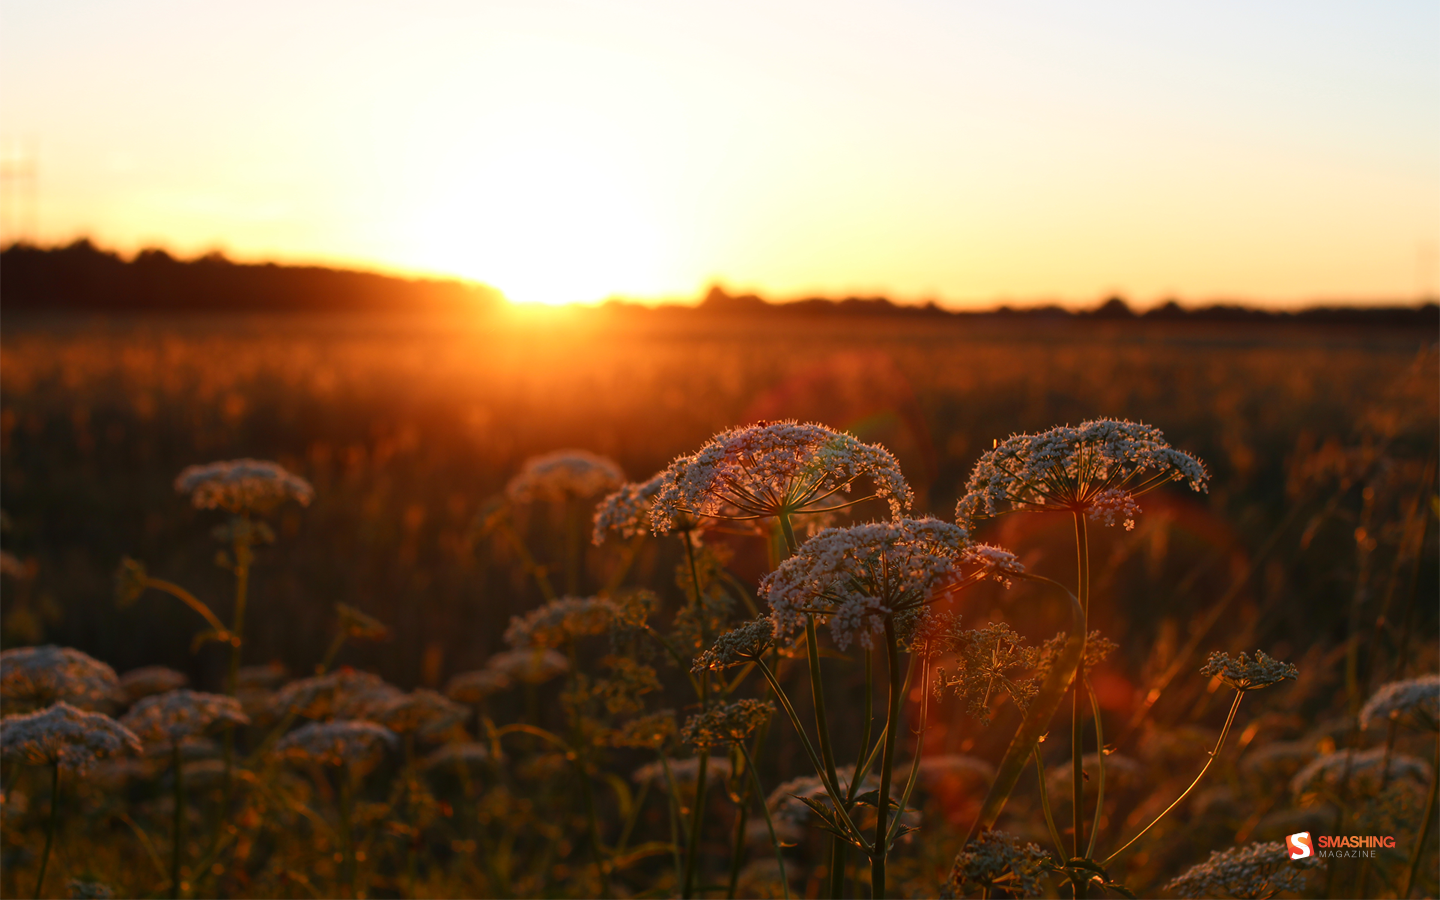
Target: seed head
x=998 y=861
x=1245 y=675
x=738 y=646
x=173 y=716
x=726 y=723
x=1097 y=468
x=242 y=485
x=359 y=744
x=1414 y=702
x=1253 y=871
x=35 y=677
x=564 y=475
x=62 y=734
x=773 y=468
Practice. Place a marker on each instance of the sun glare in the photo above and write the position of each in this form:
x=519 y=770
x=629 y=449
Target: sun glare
x=546 y=216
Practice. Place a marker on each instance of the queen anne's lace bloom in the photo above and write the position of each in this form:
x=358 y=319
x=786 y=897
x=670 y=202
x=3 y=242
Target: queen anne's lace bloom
x=530 y=665
x=738 y=646
x=560 y=621
x=1414 y=701
x=62 y=734
x=147 y=680
x=35 y=677
x=421 y=710
x=726 y=723
x=564 y=475
x=1244 y=674
x=856 y=577
x=998 y=861
x=359 y=744
x=627 y=510
x=1097 y=468
x=1256 y=870
x=242 y=485
x=772 y=468
x=341 y=694
x=176 y=715
x=1361 y=772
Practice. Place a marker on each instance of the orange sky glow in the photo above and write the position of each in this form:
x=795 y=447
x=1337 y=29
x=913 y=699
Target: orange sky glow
x=1279 y=153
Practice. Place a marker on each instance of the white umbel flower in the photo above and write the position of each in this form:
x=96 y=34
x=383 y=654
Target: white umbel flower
x=242 y=485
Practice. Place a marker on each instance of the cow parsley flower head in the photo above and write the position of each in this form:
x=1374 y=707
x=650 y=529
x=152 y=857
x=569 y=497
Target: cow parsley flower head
x=998 y=861
x=341 y=694
x=564 y=475
x=63 y=735
x=422 y=711
x=1244 y=674
x=1414 y=702
x=475 y=686
x=35 y=677
x=726 y=723
x=1097 y=468
x=242 y=485
x=560 y=621
x=1254 y=871
x=856 y=577
x=174 y=716
x=626 y=511
x=774 y=468
x=1360 y=772
x=359 y=744
x=147 y=680
x=531 y=665
x=738 y=646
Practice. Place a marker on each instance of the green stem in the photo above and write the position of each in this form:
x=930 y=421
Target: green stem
x=1099 y=765
x=887 y=763
x=1419 y=852
x=178 y=850
x=1077 y=719
x=50 y=825
x=769 y=823
x=1214 y=754
x=827 y=750
x=914 y=775
x=791 y=545
x=1045 y=805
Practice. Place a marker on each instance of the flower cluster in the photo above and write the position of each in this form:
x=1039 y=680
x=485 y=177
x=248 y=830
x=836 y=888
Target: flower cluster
x=420 y=711
x=475 y=686
x=1253 y=871
x=1096 y=468
x=341 y=694
x=147 y=680
x=988 y=660
x=563 y=475
x=648 y=732
x=774 y=468
x=738 y=646
x=359 y=744
x=858 y=576
x=726 y=723
x=242 y=485
x=560 y=621
x=627 y=510
x=35 y=677
x=63 y=735
x=530 y=665
x=1359 y=771
x=998 y=861
x=173 y=716
x=1244 y=674
x=787 y=802
x=1414 y=701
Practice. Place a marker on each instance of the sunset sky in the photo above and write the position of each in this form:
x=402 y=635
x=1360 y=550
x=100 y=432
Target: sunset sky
x=965 y=152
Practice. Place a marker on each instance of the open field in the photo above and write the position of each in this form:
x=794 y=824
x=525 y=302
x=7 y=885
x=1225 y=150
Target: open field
x=1319 y=520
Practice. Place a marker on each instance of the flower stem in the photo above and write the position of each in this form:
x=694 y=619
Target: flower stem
x=887 y=764
x=827 y=750
x=1045 y=805
x=1099 y=765
x=697 y=813
x=178 y=850
x=1077 y=719
x=49 y=826
x=769 y=823
x=1214 y=754
x=1419 y=852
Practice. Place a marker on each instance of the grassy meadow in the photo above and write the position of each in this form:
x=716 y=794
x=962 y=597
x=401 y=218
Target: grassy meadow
x=1315 y=542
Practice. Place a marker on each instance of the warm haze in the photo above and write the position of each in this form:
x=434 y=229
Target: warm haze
x=1280 y=153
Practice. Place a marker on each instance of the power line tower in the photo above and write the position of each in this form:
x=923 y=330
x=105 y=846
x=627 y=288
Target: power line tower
x=19 y=191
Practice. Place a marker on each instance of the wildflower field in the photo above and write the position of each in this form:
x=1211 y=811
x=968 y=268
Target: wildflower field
x=592 y=607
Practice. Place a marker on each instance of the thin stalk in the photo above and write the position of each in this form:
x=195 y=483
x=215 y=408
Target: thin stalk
x=50 y=825
x=1214 y=755
x=1100 y=765
x=347 y=837
x=1077 y=720
x=827 y=751
x=527 y=562
x=737 y=853
x=674 y=816
x=791 y=545
x=914 y=775
x=1419 y=852
x=178 y=850
x=769 y=823
x=887 y=763
x=697 y=812
x=240 y=534
x=1045 y=805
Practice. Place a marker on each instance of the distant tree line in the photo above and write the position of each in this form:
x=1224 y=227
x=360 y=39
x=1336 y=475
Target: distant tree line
x=82 y=277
